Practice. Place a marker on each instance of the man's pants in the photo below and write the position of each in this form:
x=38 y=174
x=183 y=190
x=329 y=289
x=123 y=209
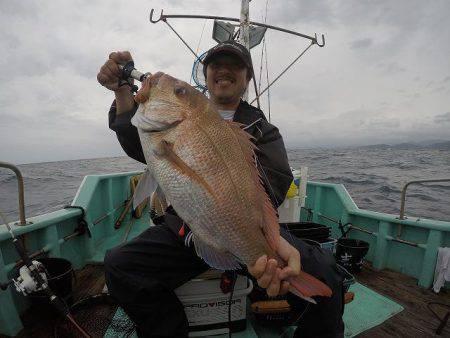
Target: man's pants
x=142 y=274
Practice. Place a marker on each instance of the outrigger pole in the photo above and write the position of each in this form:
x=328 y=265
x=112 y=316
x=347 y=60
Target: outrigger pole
x=244 y=38
x=164 y=17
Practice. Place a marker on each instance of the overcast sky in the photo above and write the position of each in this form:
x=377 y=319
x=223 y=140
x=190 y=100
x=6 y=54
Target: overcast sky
x=383 y=76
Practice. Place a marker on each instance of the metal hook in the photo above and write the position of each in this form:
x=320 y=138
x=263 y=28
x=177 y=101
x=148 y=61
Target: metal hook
x=161 y=17
x=317 y=42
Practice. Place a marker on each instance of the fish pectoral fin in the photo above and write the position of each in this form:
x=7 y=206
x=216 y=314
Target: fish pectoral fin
x=166 y=150
x=145 y=188
x=214 y=257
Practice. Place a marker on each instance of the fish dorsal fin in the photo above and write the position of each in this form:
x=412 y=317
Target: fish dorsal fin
x=214 y=257
x=269 y=220
x=165 y=150
x=145 y=188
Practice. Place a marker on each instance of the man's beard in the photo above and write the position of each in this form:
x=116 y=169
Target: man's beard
x=226 y=99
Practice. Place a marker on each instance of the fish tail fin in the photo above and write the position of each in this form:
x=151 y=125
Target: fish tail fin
x=308 y=286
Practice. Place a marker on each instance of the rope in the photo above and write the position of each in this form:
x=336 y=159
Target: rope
x=284 y=71
x=267 y=79
x=201 y=36
x=82 y=226
x=194 y=68
x=263 y=48
x=261 y=63
x=179 y=36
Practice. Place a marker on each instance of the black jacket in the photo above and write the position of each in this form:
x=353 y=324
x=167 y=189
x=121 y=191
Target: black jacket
x=271 y=153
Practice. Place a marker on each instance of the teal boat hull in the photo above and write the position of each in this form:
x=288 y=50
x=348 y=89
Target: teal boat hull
x=102 y=197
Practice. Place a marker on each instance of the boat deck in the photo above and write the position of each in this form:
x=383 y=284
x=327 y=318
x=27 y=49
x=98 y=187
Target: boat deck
x=414 y=321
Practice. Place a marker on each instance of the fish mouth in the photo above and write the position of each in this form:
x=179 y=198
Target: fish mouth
x=149 y=125
x=146 y=125
x=160 y=127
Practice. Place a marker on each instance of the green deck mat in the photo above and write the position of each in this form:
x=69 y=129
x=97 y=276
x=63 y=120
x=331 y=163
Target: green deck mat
x=367 y=310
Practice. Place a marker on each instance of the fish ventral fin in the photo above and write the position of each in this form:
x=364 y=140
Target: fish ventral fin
x=145 y=188
x=269 y=220
x=213 y=257
x=166 y=151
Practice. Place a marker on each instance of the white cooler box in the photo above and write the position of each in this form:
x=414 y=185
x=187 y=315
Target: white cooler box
x=206 y=306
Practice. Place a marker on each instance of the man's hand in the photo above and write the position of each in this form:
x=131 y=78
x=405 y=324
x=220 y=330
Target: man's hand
x=109 y=73
x=272 y=278
x=109 y=77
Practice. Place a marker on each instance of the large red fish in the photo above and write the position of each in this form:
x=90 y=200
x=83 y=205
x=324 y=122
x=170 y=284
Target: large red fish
x=205 y=167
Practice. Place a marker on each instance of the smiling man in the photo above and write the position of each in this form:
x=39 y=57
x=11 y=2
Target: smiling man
x=143 y=273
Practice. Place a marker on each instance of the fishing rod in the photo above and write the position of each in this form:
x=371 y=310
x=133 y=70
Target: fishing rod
x=32 y=278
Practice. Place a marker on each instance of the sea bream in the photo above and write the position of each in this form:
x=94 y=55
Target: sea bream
x=205 y=167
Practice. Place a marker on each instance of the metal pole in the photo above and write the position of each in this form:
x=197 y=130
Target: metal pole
x=244 y=38
x=403 y=195
x=403 y=200
x=20 y=189
x=212 y=17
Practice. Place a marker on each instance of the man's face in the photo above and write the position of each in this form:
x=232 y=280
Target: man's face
x=226 y=78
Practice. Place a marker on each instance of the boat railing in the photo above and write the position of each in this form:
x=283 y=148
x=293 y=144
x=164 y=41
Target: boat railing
x=403 y=198
x=15 y=169
x=351 y=226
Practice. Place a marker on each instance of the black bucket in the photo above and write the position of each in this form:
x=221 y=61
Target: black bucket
x=59 y=274
x=350 y=253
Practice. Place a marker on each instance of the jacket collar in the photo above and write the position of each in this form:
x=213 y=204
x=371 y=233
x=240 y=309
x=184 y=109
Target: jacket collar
x=247 y=114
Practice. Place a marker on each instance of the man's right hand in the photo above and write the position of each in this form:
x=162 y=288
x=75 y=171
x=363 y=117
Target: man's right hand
x=109 y=76
x=109 y=73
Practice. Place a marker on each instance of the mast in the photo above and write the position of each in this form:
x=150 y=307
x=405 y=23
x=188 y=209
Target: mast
x=244 y=31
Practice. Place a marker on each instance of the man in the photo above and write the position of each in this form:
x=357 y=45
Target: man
x=143 y=273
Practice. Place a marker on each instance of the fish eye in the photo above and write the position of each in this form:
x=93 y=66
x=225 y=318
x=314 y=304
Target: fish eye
x=180 y=90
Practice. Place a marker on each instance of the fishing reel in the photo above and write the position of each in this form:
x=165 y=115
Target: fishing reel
x=25 y=283
x=128 y=73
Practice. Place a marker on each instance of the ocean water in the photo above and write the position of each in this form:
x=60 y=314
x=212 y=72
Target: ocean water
x=373 y=177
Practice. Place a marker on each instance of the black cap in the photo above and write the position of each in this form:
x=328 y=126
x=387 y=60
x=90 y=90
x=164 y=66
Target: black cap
x=228 y=47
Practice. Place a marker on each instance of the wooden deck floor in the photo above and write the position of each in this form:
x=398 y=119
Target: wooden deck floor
x=415 y=321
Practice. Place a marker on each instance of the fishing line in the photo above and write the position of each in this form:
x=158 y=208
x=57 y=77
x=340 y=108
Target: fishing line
x=272 y=193
x=299 y=317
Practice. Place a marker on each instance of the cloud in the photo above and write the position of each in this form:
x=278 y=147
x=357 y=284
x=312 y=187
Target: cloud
x=391 y=68
x=443 y=118
x=361 y=44
x=51 y=106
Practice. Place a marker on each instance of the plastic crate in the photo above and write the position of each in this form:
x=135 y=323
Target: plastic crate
x=206 y=307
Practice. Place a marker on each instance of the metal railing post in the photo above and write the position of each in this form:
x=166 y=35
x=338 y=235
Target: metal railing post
x=403 y=198
x=22 y=219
